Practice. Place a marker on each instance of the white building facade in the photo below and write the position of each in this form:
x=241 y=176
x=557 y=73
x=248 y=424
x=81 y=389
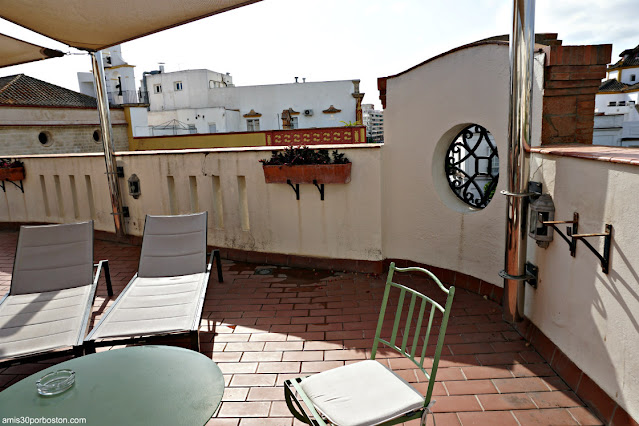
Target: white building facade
x=374 y=121
x=617 y=102
x=204 y=101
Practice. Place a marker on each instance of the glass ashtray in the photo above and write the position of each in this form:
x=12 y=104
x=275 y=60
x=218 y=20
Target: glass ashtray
x=56 y=382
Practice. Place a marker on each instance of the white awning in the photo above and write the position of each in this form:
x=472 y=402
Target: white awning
x=14 y=52
x=95 y=25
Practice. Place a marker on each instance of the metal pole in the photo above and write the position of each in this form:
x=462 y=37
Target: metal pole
x=107 y=142
x=522 y=42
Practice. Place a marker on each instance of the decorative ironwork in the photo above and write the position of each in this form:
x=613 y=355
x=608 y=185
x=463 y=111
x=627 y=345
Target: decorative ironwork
x=472 y=166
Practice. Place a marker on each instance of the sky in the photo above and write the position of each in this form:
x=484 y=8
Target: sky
x=273 y=41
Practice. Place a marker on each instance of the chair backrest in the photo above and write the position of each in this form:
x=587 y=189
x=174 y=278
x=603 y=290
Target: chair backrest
x=406 y=348
x=53 y=257
x=173 y=245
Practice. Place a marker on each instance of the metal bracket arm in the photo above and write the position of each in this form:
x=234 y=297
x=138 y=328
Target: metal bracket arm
x=605 y=258
x=319 y=188
x=572 y=243
x=530 y=277
x=296 y=188
x=518 y=194
x=20 y=187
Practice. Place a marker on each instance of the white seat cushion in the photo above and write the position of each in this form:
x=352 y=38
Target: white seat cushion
x=38 y=322
x=153 y=306
x=365 y=393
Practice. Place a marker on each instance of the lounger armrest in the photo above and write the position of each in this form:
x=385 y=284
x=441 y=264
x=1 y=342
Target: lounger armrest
x=215 y=254
x=104 y=264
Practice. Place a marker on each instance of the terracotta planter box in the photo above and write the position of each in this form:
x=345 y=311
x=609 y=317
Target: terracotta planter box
x=12 y=173
x=322 y=173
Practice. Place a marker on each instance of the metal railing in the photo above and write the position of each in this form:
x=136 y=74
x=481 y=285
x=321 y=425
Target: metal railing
x=126 y=97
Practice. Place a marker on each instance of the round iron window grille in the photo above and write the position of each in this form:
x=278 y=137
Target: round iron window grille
x=472 y=166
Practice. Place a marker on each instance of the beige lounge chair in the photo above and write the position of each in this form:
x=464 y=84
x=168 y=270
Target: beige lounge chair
x=49 y=303
x=166 y=296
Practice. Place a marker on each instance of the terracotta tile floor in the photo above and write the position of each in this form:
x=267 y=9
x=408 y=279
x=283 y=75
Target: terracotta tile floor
x=263 y=329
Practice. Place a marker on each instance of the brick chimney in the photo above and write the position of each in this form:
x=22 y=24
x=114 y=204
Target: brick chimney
x=572 y=78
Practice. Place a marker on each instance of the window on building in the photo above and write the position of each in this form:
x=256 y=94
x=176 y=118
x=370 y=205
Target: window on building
x=294 y=123
x=494 y=166
x=612 y=103
x=177 y=85
x=157 y=88
x=192 y=129
x=633 y=77
x=212 y=128
x=621 y=103
x=252 y=124
x=214 y=84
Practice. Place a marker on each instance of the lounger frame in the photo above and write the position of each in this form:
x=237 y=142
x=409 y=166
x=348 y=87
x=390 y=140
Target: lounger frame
x=90 y=344
x=78 y=348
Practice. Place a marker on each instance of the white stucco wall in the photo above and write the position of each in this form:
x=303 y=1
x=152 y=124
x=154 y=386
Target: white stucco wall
x=423 y=220
x=627 y=73
x=268 y=100
x=271 y=100
x=194 y=93
x=199 y=117
x=591 y=316
x=347 y=224
x=620 y=124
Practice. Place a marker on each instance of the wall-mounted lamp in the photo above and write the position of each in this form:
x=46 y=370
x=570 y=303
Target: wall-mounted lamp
x=134 y=186
x=542 y=210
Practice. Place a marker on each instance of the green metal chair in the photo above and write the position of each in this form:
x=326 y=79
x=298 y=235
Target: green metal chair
x=367 y=393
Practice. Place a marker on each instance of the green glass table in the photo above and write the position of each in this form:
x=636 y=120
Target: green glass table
x=141 y=385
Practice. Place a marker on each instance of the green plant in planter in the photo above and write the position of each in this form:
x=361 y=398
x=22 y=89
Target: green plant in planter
x=7 y=163
x=294 y=156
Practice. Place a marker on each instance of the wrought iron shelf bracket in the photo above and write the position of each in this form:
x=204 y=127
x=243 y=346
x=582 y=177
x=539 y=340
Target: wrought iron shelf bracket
x=320 y=188
x=572 y=236
x=296 y=188
x=20 y=187
x=605 y=258
x=572 y=243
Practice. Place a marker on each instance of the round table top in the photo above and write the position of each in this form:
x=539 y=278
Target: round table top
x=154 y=385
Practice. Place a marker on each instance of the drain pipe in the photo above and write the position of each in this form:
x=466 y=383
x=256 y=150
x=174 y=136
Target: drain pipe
x=522 y=43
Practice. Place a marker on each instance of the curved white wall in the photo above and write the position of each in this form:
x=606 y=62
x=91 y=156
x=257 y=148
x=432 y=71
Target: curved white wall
x=592 y=317
x=422 y=219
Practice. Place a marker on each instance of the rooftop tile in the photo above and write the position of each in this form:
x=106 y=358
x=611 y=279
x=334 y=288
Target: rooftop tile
x=261 y=336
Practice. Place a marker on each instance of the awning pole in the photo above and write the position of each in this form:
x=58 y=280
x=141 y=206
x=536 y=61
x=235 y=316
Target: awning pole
x=107 y=143
x=522 y=42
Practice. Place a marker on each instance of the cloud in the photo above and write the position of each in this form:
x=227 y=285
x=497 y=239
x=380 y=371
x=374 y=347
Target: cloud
x=590 y=22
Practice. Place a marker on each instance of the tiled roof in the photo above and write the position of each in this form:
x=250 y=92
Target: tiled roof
x=23 y=90
x=617 y=86
x=631 y=59
x=612 y=86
